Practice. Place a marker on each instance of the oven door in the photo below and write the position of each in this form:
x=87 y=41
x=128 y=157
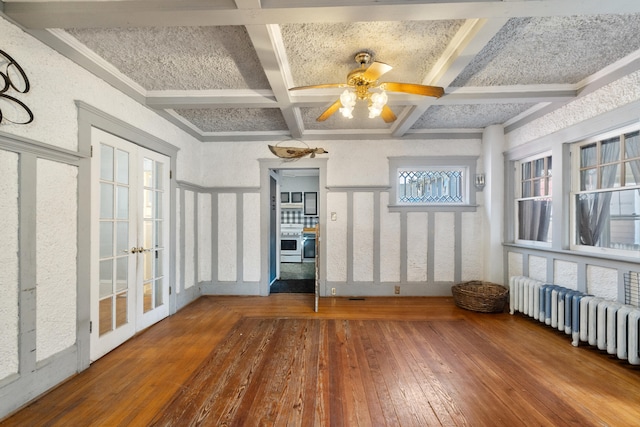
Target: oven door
x=289 y=246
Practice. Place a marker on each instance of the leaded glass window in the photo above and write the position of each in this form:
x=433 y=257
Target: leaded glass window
x=438 y=186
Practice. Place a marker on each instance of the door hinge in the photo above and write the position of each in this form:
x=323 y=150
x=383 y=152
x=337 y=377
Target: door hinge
x=169 y=290
x=170 y=174
x=91 y=154
x=90 y=327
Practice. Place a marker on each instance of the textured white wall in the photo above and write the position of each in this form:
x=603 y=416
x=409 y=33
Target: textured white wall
x=538 y=268
x=515 y=264
x=602 y=282
x=250 y=242
x=417 y=246
x=336 y=237
x=565 y=273
x=227 y=237
x=445 y=249
x=389 y=242
x=56 y=254
x=9 y=264
x=363 y=237
x=472 y=244
x=204 y=237
x=189 y=239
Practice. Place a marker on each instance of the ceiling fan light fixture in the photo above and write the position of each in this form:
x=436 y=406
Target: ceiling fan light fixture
x=376 y=104
x=348 y=101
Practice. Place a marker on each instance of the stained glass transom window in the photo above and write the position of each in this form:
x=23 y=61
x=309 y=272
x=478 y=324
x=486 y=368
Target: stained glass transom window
x=430 y=186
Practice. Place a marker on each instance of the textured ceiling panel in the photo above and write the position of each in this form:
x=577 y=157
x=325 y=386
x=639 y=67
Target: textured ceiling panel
x=360 y=119
x=179 y=58
x=235 y=119
x=468 y=116
x=324 y=53
x=552 y=50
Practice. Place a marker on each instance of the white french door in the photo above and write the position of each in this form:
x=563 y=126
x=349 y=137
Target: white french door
x=130 y=232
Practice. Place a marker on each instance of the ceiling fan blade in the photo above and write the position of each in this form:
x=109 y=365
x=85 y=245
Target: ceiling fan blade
x=413 y=88
x=387 y=115
x=329 y=111
x=323 y=86
x=375 y=70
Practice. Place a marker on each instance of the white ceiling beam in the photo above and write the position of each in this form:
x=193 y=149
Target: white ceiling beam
x=139 y=13
x=472 y=37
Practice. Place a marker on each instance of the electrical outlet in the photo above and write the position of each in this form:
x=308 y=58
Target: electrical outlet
x=333 y=291
x=397 y=290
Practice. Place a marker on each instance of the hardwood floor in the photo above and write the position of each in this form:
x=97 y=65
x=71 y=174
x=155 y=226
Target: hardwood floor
x=358 y=362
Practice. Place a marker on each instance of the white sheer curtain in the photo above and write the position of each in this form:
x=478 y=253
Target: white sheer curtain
x=593 y=208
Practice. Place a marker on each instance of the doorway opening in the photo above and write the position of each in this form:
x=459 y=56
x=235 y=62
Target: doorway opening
x=297 y=193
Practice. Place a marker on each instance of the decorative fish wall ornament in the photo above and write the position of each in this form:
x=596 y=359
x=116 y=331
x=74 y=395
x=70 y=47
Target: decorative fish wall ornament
x=295 y=152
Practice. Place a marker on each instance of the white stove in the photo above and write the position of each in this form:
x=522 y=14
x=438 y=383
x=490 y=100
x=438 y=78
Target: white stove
x=291 y=242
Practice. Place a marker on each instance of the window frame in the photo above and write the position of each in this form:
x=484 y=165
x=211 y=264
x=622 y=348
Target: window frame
x=465 y=163
x=518 y=196
x=576 y=188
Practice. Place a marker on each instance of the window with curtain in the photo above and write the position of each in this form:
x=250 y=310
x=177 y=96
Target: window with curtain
x=607 y=200
x=533 y=206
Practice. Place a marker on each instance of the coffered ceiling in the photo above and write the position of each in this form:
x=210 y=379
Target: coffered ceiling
x=222 y=69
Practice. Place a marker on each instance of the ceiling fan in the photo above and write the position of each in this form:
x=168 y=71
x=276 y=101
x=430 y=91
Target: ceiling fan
x=361 y=81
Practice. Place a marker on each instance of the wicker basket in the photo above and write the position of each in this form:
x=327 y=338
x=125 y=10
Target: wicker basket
x=481 y=296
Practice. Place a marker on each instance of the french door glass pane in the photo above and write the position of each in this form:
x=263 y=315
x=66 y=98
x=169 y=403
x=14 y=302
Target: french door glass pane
x=158 y=294
x=106 y=277
x=148 y=234
x=122 y=273
x=122 y=237
x=105 y=313
x=148 y=296
x=148 y=172
x=159 y=175
x=106 y=239
x=106 y=201
x=121 y=308
x=148 y=201
x=106 y=162
x=122 y=168
x=123 y=203
x=148 y=265
x=158 y=211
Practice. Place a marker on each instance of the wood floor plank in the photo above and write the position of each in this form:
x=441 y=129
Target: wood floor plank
x=373 y=361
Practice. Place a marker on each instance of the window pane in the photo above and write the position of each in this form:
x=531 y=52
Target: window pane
x=526 y=189
x=538 y=187
x=632 y=145
x=526 y=171
x=106 y=278
x=122 y=273
x=609 y=219
x=549 y=166
x=610 y=150
x=611 y=176
x=538 y=168
x=147 y=166
x=122 y=237
x=588 y=155
x=534 y=220
x=589 y=179
x=159 y=172
x=121 y=309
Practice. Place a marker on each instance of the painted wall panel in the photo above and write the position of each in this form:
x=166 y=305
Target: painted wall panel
x=515 y=264
x=602 y=282
x=417 y=239
x=363 y=237
x=189 y=240
x=565 y=273
x=389 y=242
x=472 y=237
x=336 y=237
x=445 y=248
x=9 y=264
x=204 y=237
x=538 y=268
x=250 y=238
x=56 y=254
x=227 y=237
x=178 y=244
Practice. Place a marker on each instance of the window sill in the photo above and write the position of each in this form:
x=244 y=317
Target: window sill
x=432 y=208
x=576 y=253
